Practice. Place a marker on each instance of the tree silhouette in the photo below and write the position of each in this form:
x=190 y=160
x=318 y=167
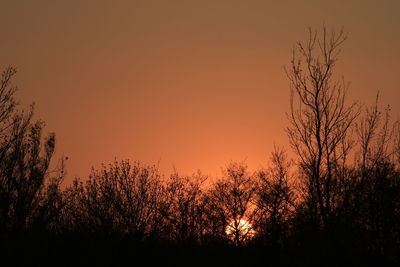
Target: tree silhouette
x=319 y=118
x=230 y=201
x=7 y=101
x=24 y=161
x=123 y=198
x=184 y=213
x=275 y=199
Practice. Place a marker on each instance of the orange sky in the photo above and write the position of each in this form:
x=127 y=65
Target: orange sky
x=190 y=84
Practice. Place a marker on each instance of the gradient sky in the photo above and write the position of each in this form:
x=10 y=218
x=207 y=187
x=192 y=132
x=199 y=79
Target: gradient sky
x=190 y=84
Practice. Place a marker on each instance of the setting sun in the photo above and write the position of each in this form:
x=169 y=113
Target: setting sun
x=240 y=230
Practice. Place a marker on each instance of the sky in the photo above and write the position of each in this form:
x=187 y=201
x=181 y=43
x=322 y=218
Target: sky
x=183 y=84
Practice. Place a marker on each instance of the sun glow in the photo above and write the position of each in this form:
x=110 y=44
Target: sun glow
x=240 y=230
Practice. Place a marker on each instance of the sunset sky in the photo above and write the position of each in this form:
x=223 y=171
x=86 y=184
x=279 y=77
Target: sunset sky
x=190 y=84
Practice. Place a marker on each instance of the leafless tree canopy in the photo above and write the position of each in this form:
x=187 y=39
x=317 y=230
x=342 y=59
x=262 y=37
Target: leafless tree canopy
x=320 y=119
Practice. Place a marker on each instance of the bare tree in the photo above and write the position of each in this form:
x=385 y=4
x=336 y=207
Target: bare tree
x=123 y=198
x=24 y=160
x=319 y=118
x=372 y=197
x=275 y=198
x=7 y=101
x=377 y=138
x=231 y=203
x=184 y=213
